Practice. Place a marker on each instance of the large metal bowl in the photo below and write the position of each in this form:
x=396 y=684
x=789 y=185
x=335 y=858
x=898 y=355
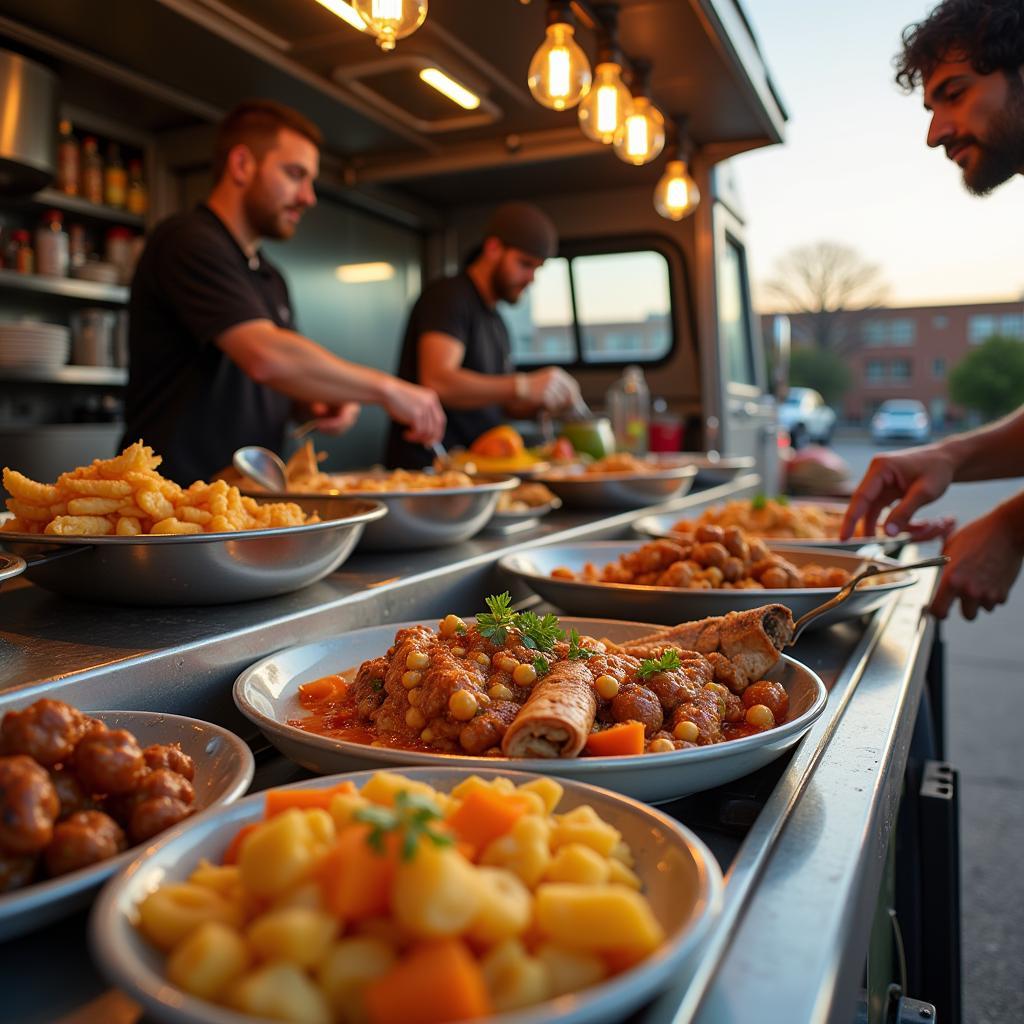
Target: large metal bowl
x=578 y=489
x=428 y=518
x=194 y=569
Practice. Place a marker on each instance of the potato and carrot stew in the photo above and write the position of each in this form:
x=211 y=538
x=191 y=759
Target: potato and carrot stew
x=398 y=904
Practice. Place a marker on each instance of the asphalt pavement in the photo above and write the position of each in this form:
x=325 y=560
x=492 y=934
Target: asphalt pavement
x=986 y=713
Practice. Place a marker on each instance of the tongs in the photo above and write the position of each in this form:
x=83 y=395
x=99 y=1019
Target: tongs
x=872 y=570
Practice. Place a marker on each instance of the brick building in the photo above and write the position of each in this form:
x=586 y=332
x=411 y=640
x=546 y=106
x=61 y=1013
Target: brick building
x=908 y=352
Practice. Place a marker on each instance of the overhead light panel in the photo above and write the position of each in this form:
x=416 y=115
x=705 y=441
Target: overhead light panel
x=346 y=12
x=364 y=273
x=447 y=86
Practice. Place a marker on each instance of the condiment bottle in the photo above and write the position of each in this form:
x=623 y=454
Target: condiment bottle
x=119 y=252
x=24 y=256
x=92 y=170
x=629 y=405
x=69 y=161
x=666 y=433
x=138 y=194
x=78 y=244
x=115 y=180
x=52 y=245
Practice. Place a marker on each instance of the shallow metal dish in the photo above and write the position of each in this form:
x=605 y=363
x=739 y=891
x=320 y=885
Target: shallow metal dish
x=420 y=518
x=660 y=525
x=712 y=468
x=10 y=566
x=680 y=876
x=194 y=569
x=224 y=769
x=670 y=605
x=619 y=490
x=267 y=694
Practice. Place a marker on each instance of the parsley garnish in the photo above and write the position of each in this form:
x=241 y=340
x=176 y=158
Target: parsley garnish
x=495 y=624
x=781 y=499
x=412 y=817
x=377 y=684
x=668 y=661
x=539 y=634
x=541 y=666
x=758 y=502
x=576 y=651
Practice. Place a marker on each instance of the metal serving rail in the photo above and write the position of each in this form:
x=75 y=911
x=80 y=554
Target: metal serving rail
x=803 y=843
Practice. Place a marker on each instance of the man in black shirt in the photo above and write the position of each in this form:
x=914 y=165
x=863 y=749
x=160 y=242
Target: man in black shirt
x=456 y=342
x=216 y=361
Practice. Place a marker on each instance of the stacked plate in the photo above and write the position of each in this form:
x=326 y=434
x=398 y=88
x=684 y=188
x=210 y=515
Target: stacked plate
x=34 y=344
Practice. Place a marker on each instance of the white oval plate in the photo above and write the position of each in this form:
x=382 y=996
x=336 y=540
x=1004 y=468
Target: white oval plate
x=681 y=879
x=267 y=694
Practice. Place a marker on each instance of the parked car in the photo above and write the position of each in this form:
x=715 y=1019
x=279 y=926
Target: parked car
x=807 y=417
x=901 y=419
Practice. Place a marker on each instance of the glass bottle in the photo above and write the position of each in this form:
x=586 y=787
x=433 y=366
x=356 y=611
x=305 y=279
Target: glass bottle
x=24 y=255
x=52 y=245
x=629 y=405
x=115 y=180
x=92 y=170
x=68 y=160
x=138 y=194
x=666 y=433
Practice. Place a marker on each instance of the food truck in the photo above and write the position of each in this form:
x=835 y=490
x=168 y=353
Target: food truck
x=838 y=847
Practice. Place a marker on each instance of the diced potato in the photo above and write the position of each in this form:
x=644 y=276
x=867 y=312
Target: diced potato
x=307 y=895
x=280 y=991
x=436 y=893
x=570 y=970
x=173 y=911
x=578 y=864
x=205 y=962
x=619 y=874
x=295 y=935
x=513 y=977
x=623 y=853
x=385 y=786
x=344 y=807
x=597 y=917
x=321 y=825
x=222 y=878
x=505 y=908
x=582 y=825
x=348 y=966
x=547 y=789
x=279 y=853
x=523 y=851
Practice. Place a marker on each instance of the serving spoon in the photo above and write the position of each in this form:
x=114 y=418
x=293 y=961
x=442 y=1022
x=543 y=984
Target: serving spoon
x=263 y=466
x=844 y=592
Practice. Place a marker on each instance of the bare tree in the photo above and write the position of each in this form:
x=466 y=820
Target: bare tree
x=824 y=280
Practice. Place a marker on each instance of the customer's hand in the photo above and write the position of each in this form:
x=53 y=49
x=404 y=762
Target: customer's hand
x=334 y=419
x=418 y=408
x=552 y=389
x=985 y=559
x=908 y=479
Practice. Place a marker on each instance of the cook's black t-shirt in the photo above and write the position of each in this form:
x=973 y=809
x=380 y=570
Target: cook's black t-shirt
x=453 y=306
x=186 y=398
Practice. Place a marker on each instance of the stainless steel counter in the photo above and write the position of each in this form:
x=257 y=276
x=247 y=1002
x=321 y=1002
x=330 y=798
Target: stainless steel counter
x=803 y=844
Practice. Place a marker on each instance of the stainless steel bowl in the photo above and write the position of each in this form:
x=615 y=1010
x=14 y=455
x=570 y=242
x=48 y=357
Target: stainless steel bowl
x=195 y=569
x=10 y=566
x=620 y=490
x=420 y=518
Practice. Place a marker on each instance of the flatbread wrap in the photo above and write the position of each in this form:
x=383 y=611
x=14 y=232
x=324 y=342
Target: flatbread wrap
x=557 y=717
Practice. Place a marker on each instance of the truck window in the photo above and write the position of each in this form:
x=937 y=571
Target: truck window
x=597 y=308
x=733 y=323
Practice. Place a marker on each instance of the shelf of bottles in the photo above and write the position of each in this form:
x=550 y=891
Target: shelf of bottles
x=64 y=287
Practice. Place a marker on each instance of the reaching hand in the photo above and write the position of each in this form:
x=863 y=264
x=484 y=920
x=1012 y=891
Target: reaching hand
x=985 y=560
x=908 y=479
x=335 y=419
x=551 y=388
x=418 y=408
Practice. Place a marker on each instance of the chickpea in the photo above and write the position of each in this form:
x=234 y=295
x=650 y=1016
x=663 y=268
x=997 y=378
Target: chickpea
x=412 y=679
x=775 y=579
x=427 y=736
x=710 y=534
x=660 y=746
x=450 y=625
x=415 y=719
x=459 y=652
x=415 y=697
x=711 y=553
x=418 y=659
x=607 y=686
x=505 y=663
x=760 y=716
x=524 y=675
x=499 y=691
x=463 y=705
x=686 y=731
x=482 y=659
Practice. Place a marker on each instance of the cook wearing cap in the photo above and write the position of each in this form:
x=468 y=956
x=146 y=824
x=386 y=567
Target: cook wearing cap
x=457 y=344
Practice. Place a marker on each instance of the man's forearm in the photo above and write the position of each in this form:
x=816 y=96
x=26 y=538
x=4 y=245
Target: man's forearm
x=467 y=389
x=990 y=452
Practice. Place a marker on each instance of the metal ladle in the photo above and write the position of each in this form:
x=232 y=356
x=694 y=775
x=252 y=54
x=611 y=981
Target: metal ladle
x=872 y=570
x=263 y=466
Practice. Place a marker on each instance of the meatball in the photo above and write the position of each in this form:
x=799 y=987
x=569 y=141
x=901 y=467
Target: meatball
x=15 y=871
x=70 y=793
x=28 y=805
x=488 y=729
x=170 y=756
x=85 y=838
x=46 y=731
x=154 y=815
x=635 y=703
x=771 y=694
x=164 y=782
x=110 y=762
x=710 y=534
x=678 y=685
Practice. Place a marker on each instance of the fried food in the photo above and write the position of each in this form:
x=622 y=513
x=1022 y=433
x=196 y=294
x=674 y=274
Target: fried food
x=774 y=518
x=525 y=497
x=126 y=497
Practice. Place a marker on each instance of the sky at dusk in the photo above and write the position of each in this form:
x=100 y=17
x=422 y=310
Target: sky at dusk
x=855 y=168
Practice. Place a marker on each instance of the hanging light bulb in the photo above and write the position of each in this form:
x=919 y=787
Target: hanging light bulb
x=391 y=20
x=559 y=74
x=609 y=102
x=676 y=195
x=641 y=137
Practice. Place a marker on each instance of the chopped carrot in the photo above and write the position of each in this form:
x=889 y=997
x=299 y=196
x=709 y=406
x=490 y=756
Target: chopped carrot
x=434 y=983
x=485 y=815
x=618 y=741
x=355 y=878
x=235 y=846
x=278 y=800
x=325 y=688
